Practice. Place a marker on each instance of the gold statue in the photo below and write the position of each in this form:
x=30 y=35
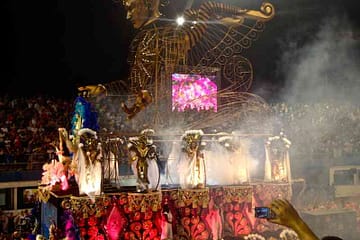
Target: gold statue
x=213 y=35
x=142 y=12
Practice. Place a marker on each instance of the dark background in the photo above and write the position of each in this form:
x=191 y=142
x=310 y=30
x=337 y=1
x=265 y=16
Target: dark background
x=53 y=46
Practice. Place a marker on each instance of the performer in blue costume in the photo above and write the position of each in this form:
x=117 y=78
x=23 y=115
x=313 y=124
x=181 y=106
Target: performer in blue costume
x=84 y=116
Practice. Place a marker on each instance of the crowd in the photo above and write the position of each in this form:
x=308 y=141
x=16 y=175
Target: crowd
x=30 y=125
x=322 y=127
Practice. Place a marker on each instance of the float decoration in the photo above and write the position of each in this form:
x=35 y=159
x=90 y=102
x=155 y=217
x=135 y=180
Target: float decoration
x=43 y=194
x=236 y=206
x=144 y=216
x=145 y=201
x=192 y=207
x=142 y=100
x=84 y=116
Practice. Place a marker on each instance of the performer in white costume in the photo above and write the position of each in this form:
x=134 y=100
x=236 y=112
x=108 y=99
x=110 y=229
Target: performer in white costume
x=239 y=158
x=89 y=157
x=217 y=161
x=86 y=160
x=277 y=162
x=171 y=171
x=191 y=168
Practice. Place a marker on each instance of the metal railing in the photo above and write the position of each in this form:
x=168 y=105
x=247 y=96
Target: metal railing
x=33 y=161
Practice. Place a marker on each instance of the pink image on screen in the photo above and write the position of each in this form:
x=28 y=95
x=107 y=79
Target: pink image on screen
x=193 y=91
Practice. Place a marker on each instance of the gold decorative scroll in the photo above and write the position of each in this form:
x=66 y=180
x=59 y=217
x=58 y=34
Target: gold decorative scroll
x=194 y=197
x=145 y=201
x=84 y=206
x=238 y=193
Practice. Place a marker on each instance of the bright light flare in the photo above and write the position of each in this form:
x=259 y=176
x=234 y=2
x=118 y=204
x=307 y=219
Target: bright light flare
x=180 y=21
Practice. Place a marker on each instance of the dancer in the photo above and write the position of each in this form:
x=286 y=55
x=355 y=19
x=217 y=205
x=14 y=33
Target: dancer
x=191 y=168
x=238 y=157
x=88 y=158
x=144 y=161
x=277 y=163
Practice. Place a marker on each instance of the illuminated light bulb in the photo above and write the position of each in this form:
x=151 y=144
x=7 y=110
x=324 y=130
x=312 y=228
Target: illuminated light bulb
x=180 y=21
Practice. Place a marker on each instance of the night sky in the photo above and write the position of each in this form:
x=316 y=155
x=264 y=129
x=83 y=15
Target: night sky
x=53 y=46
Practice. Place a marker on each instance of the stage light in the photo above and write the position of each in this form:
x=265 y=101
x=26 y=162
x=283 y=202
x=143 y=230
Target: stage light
x=180 y=20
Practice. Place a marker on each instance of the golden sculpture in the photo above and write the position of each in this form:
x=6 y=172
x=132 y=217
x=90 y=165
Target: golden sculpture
x=214 y=35
x=163 y=44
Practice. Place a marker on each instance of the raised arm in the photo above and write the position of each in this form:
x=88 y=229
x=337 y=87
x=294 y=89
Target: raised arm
x=285 y=214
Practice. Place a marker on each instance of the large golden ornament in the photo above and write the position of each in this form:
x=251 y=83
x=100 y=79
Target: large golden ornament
x=214 y=36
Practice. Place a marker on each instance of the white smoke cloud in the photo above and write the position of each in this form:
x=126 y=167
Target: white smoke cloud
x=326 y=68
x=321 y=74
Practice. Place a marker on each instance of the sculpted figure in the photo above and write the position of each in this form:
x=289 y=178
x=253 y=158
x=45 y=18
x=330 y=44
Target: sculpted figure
x=160 y=45
x=142 y=12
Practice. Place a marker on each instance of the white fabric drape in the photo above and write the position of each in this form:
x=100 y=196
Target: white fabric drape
x=153 y=174
x=191 y=171
x=89 y=175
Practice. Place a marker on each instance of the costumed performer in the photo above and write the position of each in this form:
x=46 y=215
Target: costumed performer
x=144 y=161
x=191 y=168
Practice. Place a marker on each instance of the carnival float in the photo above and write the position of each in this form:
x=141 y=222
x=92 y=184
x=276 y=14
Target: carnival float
x=194 y=152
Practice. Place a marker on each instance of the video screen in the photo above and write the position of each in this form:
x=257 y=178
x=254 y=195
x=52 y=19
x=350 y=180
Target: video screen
x=194 y=92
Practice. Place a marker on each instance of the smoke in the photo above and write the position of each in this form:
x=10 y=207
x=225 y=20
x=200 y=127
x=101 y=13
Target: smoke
x=324 y=69
x=231 y=163
x=321 y=93
x=322 y=76
x=229 y=159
